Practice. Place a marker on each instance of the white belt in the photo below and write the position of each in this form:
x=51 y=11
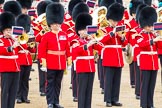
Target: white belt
x=112 y=46
x=148 y=52
x=9 y=57
x=23 y=51
x=85 y=57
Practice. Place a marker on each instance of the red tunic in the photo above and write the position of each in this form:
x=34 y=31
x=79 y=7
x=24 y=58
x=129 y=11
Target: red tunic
x=148 y=56
x=55 y=48
x=112 y=51
x=8 y=60
x=24 y=55
x=84 y=58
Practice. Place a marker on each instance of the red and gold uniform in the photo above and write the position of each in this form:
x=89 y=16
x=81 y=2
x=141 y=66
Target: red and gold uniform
x=9 y=58
x=55 y=52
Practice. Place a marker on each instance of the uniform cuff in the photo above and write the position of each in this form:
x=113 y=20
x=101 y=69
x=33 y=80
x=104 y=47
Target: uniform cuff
x=112 y=34
x=85 y=47
x=151 y=42
x=9 y=49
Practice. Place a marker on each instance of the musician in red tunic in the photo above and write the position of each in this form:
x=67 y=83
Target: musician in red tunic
x=78 y=9
x=131 y=25
x=55 y=50
x=38 y=28
x=25 y=59
x=148 y=43
x=112 y=56
x=85 y=64
x=9 y=64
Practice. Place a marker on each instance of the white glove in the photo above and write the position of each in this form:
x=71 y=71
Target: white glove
x=91 y=42
x=16 y=43
x=158 y=38
x=43 y=69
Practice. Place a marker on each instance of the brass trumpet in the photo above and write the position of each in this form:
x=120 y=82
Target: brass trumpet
x=23 y=39
x=31 y=44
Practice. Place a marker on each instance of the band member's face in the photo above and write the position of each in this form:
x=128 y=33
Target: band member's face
x=113 y=23
x=148 y=28
x=83 y=33
x=55 y=27
x=7 y=32
x=24 y=10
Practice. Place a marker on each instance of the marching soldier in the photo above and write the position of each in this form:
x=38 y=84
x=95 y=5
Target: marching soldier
x=148 y=44
x=136 y=51
x=78 y=9
x=25 y=59
x=113 y=62
x=54 y=49
x=100 y=67
x=41 y=9
x=68 y=27
x=85 y=64
x=9 y=65
x=132 y=24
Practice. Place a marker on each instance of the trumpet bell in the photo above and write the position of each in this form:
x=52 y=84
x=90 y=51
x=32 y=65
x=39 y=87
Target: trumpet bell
x=23 y=39
x=128 y=56
x=99 y=35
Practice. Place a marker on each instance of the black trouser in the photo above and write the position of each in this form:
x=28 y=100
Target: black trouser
x=10 y=81
x=132 y=73
x=23 y=88
x=147 y=87
x=85 y=86
x=101 y=72
x=74 y=82
x=138 y=79
x=160 y=57
x=112 y=83
x=54 y=78
x=42 y=79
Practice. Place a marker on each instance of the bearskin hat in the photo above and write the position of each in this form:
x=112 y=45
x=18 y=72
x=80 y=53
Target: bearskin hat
x=13 y=7
x=79 y=8
x=133 y=6
x=138 y=10
x=55 y=13
x=41 y=7
x=120 y=1
x=1 y=1
x=24 y=21
x=82 y=21
x=25 y=3
x=7 y=20
x=147 y=17
x=107 y=3
x=148 y=2
x=72 y=4
x=115 y=12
